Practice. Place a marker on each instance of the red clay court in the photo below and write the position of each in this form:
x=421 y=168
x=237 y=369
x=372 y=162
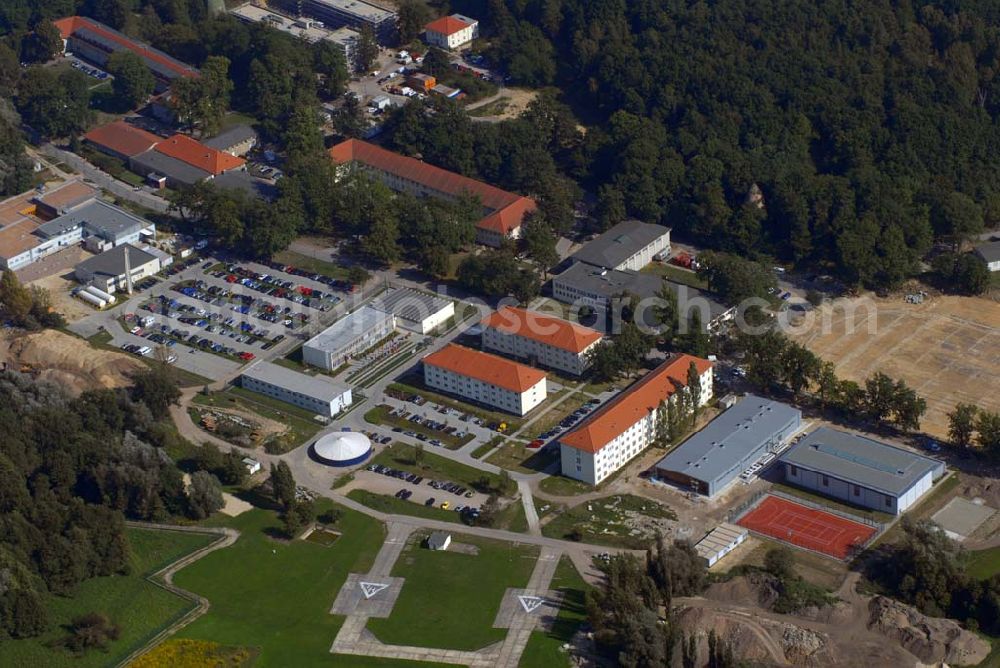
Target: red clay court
x=806 y=527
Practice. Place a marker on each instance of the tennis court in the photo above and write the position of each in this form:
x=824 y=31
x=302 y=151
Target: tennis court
x=806 y=527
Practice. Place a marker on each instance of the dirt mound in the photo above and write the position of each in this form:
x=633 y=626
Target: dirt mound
x=68 y=361
x=756 y=588
x=930 y=639
x=748 y=641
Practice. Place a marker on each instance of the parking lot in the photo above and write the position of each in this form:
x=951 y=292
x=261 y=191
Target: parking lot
x=411 y=487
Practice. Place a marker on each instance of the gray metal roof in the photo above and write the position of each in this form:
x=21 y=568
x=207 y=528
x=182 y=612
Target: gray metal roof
x=989 y=251
x=359 y=8
x=107 y=219
x=112 y=262
x=728 y=439
x=410 y=304
x=251 y=185
x=611 y=283
x=437 y=539
x=859 y=460
x=152 y=161
x=316 y=387
x=231 y=137
x=619 y=243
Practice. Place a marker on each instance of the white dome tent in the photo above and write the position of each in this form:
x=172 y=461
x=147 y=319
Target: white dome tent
x=342 y=448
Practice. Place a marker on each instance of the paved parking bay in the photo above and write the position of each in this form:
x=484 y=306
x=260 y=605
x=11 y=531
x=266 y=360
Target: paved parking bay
x=188 y=358
x=387 y=485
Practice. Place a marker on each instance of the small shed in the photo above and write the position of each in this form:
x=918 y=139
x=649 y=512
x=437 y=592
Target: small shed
x=380 y=102
x=252 y=465
x=439 y=540
x=719 y=542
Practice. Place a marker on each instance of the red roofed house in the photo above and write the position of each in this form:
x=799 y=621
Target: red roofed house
x=486 y=379
x=621 y=429
x=503 y=211
x=451 y=32
x=121 y=140
x=94 y=41
x=540 y=339
x=196 y=154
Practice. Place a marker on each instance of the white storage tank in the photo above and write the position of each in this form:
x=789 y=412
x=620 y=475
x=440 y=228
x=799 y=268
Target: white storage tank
x=91 y=299
x=342 y=448
x=101 y=294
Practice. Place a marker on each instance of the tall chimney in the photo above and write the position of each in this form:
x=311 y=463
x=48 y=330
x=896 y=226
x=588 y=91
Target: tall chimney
x=128 y=271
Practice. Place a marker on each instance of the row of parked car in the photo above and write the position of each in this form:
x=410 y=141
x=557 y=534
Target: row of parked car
x=243 y=304
x=146 y=351
x=418 y=400
x=275 y=286
x=566 y=423
x=166 y=336
x=396 y=473
x=335 y=283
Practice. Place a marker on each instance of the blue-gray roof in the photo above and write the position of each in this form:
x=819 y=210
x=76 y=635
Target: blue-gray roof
x=731 y=437
x=860 y=460
x=315 y=387
x=152 y=161
x=619 y=243
x=110 y=221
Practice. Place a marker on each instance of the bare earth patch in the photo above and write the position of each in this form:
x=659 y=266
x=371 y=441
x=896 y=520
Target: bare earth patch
x=233 y=506
x=945 y=348
x=68 y=361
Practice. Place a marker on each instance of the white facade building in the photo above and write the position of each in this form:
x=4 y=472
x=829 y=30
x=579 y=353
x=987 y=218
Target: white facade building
x=540 y=339
x=486 y=379
x=451 y=32
x=621 y=429
x=416 y=311
x=314 y=394
x=352 y=334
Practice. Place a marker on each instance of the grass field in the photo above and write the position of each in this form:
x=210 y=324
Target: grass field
x=544 y=649
x=275 y=596
x=380 y=415
x=517 y=456
x=450 y=599
x=676 y=274
x=393 y=506
x=563 y=486
x=140 y=607
x=609 y=521
x=983 y=564
x=320 y=267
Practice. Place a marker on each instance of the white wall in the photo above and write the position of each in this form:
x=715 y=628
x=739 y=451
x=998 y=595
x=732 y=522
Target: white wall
x=485 y=393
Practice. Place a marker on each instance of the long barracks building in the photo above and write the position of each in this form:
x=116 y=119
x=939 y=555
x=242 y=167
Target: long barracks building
x=502 y=211
x=621 y=429
x=540 y=339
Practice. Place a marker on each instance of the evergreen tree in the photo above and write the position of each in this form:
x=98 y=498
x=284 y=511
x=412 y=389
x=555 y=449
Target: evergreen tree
x=694 y=390
x=962 y=424
x=283 y=484
x=366 y=50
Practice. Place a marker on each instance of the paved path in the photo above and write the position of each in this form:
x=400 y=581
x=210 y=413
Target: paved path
x=530 y=512
x=520 y=631
x=165 y=578
x=393 y=546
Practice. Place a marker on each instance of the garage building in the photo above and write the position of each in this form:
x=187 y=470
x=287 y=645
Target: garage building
x=860 y=470
x=314 y=394
x=712 y=458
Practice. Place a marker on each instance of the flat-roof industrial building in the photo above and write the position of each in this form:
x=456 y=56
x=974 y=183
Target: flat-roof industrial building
x=306 y=29
x=860 y=470
x=416 y=311
x=352 y=334
x=714 y=457
x=313 y=393
x=355 y=14
x=110 y=271
x=629 y=245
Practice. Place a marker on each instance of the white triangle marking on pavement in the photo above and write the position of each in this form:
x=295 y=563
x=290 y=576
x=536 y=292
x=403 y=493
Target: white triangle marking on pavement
x=530 y=603
x=369 y=589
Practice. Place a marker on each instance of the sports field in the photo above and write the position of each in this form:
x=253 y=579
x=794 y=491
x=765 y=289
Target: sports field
x=945 y=348
x=806 y=527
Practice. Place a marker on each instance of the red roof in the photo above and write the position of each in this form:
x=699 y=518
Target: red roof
x=198 y=155
x=546 y=329
x=446 y=25
x=486 y=368
x=507 y=208
x=632 y=404
x=122 y=138
x=69 y=25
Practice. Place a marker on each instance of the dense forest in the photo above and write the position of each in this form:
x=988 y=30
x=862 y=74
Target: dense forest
x=71 y=471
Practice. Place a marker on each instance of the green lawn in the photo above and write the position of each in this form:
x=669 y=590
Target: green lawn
x=983 y=564
x=562 y=486
x=320 y=267
x=299 y=421
x=400 y=456
x=450 y=599
x=486 y=447
x=140 y=607
x=381 y=415
x=393 y=506
x=544 y=649
x=606 y=521
x=677 y=275
x=275 y=595
x=517 y=456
